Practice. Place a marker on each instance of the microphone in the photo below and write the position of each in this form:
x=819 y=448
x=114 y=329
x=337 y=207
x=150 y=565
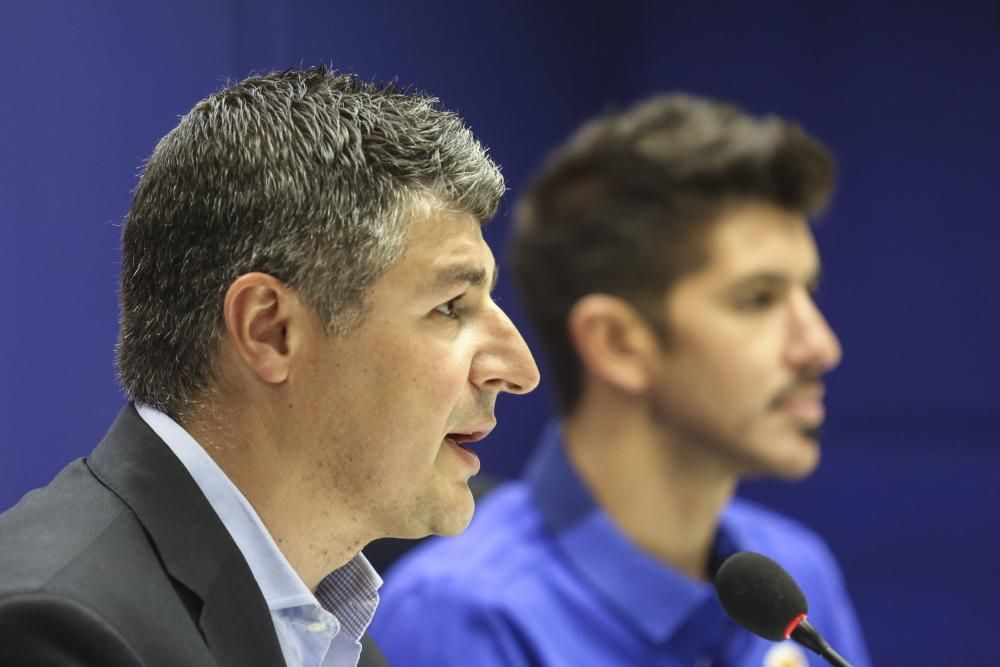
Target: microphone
x=758 y=594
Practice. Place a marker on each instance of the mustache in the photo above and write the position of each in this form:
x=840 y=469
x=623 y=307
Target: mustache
x=811 y=383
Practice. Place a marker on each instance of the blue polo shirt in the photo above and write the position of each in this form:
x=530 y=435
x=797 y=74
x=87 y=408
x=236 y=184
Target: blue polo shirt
x=543 y=577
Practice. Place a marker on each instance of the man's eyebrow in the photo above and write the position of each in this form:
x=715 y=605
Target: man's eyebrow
x=776 y=279
x=465 y=275
x=762 y=279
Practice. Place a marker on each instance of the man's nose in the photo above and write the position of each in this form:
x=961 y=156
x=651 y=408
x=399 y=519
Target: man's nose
x=814 y=345
x=504 y=363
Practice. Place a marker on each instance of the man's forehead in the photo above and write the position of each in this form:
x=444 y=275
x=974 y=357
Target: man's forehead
x=455 y=261
x=465 y=272
x=446 y=249
x=766 y=246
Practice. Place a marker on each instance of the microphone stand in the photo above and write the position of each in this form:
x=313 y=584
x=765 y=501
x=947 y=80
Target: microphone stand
x=807 y=635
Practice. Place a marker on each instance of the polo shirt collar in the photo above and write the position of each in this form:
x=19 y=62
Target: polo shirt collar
x=656 y=599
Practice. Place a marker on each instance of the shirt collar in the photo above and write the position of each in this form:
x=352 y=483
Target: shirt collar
x=655 y=598
x=279 y=583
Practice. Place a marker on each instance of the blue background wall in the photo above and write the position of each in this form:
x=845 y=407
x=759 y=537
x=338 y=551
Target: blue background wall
x=907 y=96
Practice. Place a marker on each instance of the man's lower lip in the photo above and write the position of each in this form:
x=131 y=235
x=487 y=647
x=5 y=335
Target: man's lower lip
x=463 y=451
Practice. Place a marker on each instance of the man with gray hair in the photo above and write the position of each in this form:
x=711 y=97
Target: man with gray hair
x=307 y=340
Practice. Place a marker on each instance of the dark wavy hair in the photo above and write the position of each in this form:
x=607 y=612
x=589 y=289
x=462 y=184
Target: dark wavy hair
x=624 y=206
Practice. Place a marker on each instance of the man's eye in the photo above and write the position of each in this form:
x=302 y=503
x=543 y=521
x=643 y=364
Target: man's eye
x=757 y=301
x=449 y=308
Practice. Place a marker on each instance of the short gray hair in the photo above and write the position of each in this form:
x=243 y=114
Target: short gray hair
x=307 y=175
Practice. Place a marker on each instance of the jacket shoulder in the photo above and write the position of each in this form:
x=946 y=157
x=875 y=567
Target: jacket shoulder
x=38 y=628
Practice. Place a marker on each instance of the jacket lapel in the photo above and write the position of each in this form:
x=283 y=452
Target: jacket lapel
x=370 y=655
x=193 y=544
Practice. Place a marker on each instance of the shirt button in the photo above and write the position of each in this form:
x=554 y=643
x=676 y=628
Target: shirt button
x=318 y=626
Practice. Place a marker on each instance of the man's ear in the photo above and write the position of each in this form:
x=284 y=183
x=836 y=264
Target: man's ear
x=614 y=342
x=258 y=311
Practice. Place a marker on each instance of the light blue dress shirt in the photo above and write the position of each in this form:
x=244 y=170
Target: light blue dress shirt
x=314 y=630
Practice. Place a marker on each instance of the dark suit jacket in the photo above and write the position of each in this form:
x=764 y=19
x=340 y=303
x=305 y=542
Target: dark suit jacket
x=120 y=561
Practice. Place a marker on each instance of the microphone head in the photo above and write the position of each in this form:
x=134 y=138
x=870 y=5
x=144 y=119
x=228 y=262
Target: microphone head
x=758 y=594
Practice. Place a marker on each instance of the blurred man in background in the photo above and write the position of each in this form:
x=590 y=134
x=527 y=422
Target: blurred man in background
x=307 y=339
x=666 y=258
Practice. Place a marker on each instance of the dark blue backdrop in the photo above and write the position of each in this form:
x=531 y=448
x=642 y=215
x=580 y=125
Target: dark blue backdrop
x=908 y=97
